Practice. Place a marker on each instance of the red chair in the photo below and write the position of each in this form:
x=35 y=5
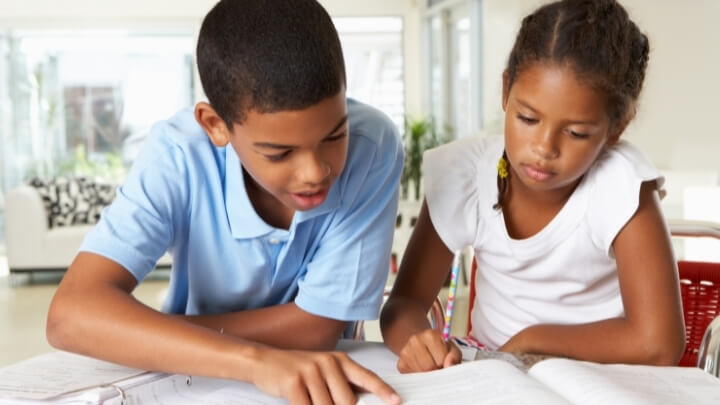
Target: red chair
x=700 y=291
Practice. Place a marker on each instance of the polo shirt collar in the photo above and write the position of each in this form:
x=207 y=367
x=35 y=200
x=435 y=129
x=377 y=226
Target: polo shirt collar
x=245 y=223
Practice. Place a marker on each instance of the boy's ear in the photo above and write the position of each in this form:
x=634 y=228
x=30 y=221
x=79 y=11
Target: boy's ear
x=214 y=126
x=505 y=89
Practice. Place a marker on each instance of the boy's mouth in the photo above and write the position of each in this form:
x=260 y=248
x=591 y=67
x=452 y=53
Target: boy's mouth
x=310 y=199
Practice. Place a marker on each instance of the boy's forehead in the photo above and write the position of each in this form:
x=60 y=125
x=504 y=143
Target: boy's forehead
x=320 y=119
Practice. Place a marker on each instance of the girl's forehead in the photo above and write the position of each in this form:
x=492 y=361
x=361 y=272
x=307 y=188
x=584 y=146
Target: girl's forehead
x=556 y=87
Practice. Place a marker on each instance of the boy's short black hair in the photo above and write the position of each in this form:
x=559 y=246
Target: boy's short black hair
x=268 y=56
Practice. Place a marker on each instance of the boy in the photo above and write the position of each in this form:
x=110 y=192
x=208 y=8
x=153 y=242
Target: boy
x=277 y=201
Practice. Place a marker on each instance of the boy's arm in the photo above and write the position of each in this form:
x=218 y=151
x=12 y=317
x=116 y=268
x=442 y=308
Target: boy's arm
x=405 y=327
x=284 y=326
x=652 y=331
x=93 y=313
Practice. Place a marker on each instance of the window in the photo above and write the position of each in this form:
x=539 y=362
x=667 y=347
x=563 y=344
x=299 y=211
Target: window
x=454 y=72
x=373 y=51
x=78 y=102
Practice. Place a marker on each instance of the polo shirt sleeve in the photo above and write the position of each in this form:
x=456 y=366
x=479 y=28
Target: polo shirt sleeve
x=346 y=277
x=140 y=224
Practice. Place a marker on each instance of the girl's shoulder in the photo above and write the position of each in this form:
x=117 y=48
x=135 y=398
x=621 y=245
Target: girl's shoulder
x=626 y=163
x=469 y=150
x=459 y=178
x=615 y=180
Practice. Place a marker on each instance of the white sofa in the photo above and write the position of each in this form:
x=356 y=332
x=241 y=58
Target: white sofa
x=31 y=245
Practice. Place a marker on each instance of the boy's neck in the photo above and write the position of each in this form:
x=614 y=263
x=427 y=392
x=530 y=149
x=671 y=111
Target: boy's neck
x=269 y=208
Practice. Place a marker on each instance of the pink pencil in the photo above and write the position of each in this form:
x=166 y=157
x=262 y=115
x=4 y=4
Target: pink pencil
x=451 y=295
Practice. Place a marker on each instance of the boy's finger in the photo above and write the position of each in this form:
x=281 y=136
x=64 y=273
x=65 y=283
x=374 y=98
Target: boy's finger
x=368 y=381
x=338 y=385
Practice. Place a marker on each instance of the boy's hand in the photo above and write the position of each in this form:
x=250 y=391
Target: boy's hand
x=306 y=378
x=427 y=351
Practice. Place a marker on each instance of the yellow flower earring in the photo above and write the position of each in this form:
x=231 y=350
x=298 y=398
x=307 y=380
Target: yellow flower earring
x=502 y=167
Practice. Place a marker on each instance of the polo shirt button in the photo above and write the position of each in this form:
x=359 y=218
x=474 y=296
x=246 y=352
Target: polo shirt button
x=273 y=241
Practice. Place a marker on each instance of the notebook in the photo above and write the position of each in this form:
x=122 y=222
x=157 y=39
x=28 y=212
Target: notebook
x=552 y=382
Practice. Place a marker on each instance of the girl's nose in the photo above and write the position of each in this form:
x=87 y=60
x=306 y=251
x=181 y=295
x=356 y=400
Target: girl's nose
x=545 y=145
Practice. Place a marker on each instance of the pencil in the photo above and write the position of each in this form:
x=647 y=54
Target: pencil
x=451 y=295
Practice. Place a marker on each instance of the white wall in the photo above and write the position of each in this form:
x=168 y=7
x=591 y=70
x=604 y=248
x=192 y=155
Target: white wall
x=677 y=121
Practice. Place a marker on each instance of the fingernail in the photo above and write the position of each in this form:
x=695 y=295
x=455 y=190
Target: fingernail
x=395 y=398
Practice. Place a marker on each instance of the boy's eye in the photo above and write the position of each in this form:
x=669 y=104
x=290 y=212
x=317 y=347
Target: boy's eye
x=578 y=135
x=526 y=120
x=336 y=137
x=278 y=157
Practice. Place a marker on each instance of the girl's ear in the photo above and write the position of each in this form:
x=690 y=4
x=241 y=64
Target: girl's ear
x=213 y=125
x=616 y=131
x=505 y=89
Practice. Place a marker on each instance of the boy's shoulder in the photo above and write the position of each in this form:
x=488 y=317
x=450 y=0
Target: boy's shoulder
x=180 y=137
x=370 y=123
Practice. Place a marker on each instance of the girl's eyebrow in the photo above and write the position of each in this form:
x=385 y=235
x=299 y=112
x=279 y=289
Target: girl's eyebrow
x=270 y=145
x=525 y=104
x=573 y=122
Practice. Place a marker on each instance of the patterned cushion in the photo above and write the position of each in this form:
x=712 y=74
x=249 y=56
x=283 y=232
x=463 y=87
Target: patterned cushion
x=73 y=201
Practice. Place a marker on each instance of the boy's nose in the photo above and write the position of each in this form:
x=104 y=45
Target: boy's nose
x=315 y=171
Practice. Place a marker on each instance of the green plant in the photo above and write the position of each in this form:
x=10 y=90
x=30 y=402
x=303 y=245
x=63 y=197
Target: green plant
x=420 y=134
x=109 y=167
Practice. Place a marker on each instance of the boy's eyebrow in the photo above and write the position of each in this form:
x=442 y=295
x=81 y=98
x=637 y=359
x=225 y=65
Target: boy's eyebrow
x=342 y=122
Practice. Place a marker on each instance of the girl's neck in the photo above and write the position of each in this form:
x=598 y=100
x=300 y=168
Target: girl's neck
x=528 y=211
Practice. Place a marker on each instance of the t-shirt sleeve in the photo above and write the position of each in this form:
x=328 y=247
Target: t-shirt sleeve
x=346 y=277
x=616 y=180
x=140 y=224
x=451 y=175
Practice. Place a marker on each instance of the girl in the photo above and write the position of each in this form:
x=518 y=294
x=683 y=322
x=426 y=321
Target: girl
x=574 y=257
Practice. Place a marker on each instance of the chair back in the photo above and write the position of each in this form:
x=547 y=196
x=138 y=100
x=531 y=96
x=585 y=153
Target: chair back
x=699 y=289
x=435 y=316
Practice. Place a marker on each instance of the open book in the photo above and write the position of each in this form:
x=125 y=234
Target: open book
x=555 y=381
x=66 y=378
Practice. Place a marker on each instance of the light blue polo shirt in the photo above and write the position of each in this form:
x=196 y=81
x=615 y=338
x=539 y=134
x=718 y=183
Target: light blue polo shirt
x=188 y=197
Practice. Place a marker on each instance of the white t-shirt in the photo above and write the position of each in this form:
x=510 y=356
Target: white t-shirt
x=564 y=274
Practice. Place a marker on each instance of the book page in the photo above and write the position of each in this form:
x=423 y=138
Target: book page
x=591 y=383
x=484 y=381
x=183 y=390
x=371 y=355
x=54 y=374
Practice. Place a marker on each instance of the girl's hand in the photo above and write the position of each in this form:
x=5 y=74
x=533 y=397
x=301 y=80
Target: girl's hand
x=306 y=378
x=427 y=351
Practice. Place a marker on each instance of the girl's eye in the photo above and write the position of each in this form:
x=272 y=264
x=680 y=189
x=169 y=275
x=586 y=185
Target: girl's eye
x=526 y=120
x=278 y=157
x=578 y=135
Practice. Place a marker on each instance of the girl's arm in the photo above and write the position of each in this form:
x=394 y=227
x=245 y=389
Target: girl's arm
x=403 y=321
x=93 y=313
x=652 y=330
